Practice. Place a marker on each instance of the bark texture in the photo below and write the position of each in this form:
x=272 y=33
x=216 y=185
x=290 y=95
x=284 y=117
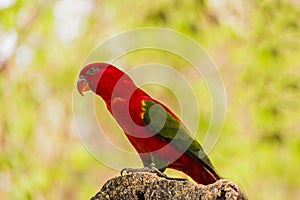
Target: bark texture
x=146 y=186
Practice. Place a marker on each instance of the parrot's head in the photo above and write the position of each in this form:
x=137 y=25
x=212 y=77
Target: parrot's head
x=89 y=77
x=102 y=78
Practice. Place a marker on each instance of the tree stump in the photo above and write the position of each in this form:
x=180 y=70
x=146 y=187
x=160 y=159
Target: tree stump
x=146 y=186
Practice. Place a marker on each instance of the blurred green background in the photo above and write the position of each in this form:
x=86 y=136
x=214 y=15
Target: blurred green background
x=255 y=45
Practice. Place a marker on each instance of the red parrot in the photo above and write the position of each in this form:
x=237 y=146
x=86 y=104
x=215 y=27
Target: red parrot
x=156 y=133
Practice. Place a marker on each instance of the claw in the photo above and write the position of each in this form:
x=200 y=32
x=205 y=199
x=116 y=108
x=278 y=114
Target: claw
x=151 y=169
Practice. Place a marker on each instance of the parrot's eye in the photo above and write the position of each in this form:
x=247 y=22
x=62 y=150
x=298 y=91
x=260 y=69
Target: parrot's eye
x=92 y=70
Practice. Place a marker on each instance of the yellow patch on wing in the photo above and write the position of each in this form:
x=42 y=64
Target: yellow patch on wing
x=143 y=109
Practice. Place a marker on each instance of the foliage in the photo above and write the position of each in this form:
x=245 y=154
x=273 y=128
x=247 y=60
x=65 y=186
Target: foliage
x=255 y=44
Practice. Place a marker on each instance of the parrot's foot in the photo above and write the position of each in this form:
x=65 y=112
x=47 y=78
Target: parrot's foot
x=151 y=169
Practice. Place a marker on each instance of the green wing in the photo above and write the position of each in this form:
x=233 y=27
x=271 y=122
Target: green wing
x=163 y=123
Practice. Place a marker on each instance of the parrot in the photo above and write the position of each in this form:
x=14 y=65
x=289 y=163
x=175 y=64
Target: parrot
x=160 y=138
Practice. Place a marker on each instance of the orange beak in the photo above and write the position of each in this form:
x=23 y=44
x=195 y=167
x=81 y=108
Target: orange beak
x=82 y=85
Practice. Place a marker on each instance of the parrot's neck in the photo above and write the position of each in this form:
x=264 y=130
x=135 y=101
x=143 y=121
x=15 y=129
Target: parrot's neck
x=115 y=84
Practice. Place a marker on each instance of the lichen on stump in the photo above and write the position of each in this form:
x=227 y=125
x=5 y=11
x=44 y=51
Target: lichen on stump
x=146 y=186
